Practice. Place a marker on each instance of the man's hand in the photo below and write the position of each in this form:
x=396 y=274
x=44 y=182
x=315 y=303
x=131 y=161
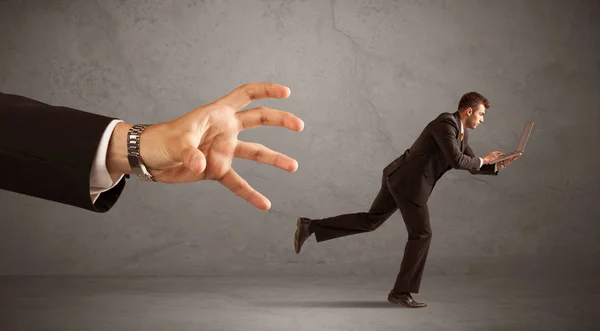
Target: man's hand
x=201 y=144
x=505 y=163
x=491 y=156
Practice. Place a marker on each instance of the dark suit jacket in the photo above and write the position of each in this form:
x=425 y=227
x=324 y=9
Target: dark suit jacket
x=437 y=150
x=48 y=151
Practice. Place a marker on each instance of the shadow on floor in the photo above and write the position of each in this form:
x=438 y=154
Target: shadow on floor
x=328 y=304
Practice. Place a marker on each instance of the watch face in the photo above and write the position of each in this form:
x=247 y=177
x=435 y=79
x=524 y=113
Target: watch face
x=145 y=178
x=145 y=173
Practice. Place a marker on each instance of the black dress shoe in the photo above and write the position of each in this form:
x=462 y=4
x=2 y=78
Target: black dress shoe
x=302 y=233
x=404 y=299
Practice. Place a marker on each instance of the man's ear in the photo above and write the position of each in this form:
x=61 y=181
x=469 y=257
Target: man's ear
x=469 y=111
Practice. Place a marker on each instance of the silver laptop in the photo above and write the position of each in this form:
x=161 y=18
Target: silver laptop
x=520 y=148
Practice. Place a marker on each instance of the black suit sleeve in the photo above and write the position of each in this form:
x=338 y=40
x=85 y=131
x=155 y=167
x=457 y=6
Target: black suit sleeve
x=486 y=169
x=445 y=134
x=47 y=152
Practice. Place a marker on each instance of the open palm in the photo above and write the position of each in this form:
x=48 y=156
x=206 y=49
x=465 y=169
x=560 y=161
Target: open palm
x=201 y=145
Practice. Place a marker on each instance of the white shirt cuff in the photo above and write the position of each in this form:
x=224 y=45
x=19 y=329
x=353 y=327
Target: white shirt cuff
x=480 y=163
x=100 y=179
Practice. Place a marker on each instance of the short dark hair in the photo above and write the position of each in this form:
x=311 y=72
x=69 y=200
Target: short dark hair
x=472 y=99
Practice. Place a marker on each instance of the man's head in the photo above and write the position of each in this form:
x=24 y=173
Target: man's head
x=472 y=107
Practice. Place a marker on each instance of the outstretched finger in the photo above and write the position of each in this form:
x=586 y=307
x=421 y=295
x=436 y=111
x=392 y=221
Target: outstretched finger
x=260 y=153
x=239 y=186
x=243 y=95
x=256 y=117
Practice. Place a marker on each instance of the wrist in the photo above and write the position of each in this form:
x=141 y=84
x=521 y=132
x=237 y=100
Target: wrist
x=116 y=158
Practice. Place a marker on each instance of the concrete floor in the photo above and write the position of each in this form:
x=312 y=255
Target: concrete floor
x=286 y=303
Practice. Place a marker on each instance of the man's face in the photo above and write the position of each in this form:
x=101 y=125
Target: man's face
x=475 y=116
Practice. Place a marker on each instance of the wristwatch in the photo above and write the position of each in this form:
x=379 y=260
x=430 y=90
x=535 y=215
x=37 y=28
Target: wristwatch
x=133 y=153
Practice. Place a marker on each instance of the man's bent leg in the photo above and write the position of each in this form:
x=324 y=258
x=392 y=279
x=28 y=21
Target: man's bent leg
x=381 y=209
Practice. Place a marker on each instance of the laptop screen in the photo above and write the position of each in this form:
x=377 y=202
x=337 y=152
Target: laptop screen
x=524 y=136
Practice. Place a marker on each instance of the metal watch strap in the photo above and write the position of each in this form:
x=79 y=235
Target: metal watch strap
x=133 y=153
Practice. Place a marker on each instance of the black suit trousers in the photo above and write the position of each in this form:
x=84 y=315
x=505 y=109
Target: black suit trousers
x=416 y=219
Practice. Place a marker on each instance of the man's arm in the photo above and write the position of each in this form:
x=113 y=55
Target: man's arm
x=54 y=160
x=486 y=169
x=48 y=152
x=445 y=134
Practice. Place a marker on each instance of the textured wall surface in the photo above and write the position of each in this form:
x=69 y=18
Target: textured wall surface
x=366 y=76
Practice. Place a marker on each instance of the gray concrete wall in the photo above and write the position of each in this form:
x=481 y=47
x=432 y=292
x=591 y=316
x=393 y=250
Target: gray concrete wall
x=365 y=78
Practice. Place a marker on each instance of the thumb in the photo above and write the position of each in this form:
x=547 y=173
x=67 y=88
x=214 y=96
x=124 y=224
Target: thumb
x=193 y=159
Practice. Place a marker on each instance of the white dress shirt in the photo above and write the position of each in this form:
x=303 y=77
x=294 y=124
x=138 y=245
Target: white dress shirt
x=100 y=179
x=462 y=131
